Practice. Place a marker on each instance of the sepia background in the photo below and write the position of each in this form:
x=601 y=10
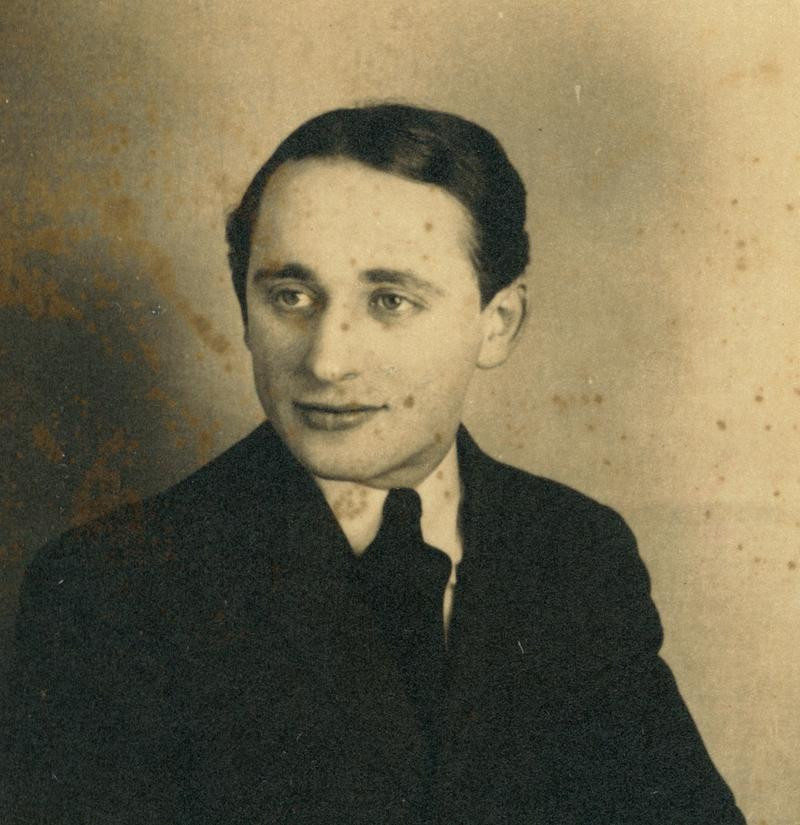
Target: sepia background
x=660 y=369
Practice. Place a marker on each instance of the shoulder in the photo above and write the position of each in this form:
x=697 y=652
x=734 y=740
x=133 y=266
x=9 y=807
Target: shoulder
x=556 y=504
x=578 y=549
x=522 y=502
x=572 y=563
x=579 y=538
x=123 y=554
x=242 y=470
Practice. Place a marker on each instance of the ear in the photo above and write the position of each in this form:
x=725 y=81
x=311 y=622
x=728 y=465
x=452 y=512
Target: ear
x=503 y=317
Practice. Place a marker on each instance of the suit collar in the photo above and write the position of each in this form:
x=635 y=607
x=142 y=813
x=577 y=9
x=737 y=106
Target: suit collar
x=495 y=630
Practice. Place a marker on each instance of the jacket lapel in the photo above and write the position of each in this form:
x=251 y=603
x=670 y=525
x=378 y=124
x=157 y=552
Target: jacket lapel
x=335 y=635
x=492 y=640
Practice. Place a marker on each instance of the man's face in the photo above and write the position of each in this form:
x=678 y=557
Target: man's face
x=364 y=319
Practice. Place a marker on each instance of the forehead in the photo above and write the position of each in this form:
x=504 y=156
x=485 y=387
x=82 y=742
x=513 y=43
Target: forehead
x=337 y=203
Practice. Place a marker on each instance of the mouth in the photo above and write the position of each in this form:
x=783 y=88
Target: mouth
x=335 y=417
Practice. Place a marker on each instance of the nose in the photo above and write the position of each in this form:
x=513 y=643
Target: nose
x=332 y=355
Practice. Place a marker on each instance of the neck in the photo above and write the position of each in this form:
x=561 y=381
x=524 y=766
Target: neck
x=358 y=507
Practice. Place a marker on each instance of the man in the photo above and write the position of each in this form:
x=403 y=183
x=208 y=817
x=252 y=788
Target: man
x=354 y=615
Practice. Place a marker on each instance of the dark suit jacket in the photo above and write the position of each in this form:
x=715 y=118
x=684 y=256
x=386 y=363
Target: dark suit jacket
x=202 y=658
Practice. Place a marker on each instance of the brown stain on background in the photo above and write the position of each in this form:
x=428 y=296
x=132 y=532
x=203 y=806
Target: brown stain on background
x=766 y=72
x=44 y=222
x=45 y=442
x=47 y=238
x=102 y=488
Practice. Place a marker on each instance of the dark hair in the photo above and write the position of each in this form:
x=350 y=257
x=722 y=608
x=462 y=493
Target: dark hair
x=421 y=145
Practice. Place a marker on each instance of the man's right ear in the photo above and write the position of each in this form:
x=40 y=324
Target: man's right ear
x=503 y=317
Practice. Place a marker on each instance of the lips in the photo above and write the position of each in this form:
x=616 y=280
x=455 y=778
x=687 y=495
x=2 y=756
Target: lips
x=335 y=417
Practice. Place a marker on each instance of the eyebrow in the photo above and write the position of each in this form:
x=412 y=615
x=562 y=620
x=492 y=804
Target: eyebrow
x=294 y=272
x=397 y=277
x=400 y=277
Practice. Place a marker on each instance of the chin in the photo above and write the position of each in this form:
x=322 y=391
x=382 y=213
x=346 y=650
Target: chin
x=328 y=464
x=360 y=463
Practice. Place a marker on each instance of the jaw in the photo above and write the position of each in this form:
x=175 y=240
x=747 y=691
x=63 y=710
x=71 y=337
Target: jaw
x=365 y=457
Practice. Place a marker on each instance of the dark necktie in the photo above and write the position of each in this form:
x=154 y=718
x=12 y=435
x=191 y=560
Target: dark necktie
x=403 y=580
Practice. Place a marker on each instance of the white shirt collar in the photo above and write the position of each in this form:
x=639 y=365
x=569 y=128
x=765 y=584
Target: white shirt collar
x=359 y=508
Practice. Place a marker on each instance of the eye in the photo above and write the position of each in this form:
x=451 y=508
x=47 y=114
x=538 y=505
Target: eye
x=390 y=303
x=289 y=299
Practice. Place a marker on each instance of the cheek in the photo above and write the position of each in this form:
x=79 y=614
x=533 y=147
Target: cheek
x=448 y=360
x=436 y=381
x=276 y=350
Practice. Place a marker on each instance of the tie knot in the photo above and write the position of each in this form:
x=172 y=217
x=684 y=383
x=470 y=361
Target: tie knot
x=402 y=546
x=398 y=555
x=402 y=507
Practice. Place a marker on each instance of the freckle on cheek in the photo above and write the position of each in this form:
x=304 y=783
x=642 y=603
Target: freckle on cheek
x=408 y=401
x=344 y=327
x=428 y=226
